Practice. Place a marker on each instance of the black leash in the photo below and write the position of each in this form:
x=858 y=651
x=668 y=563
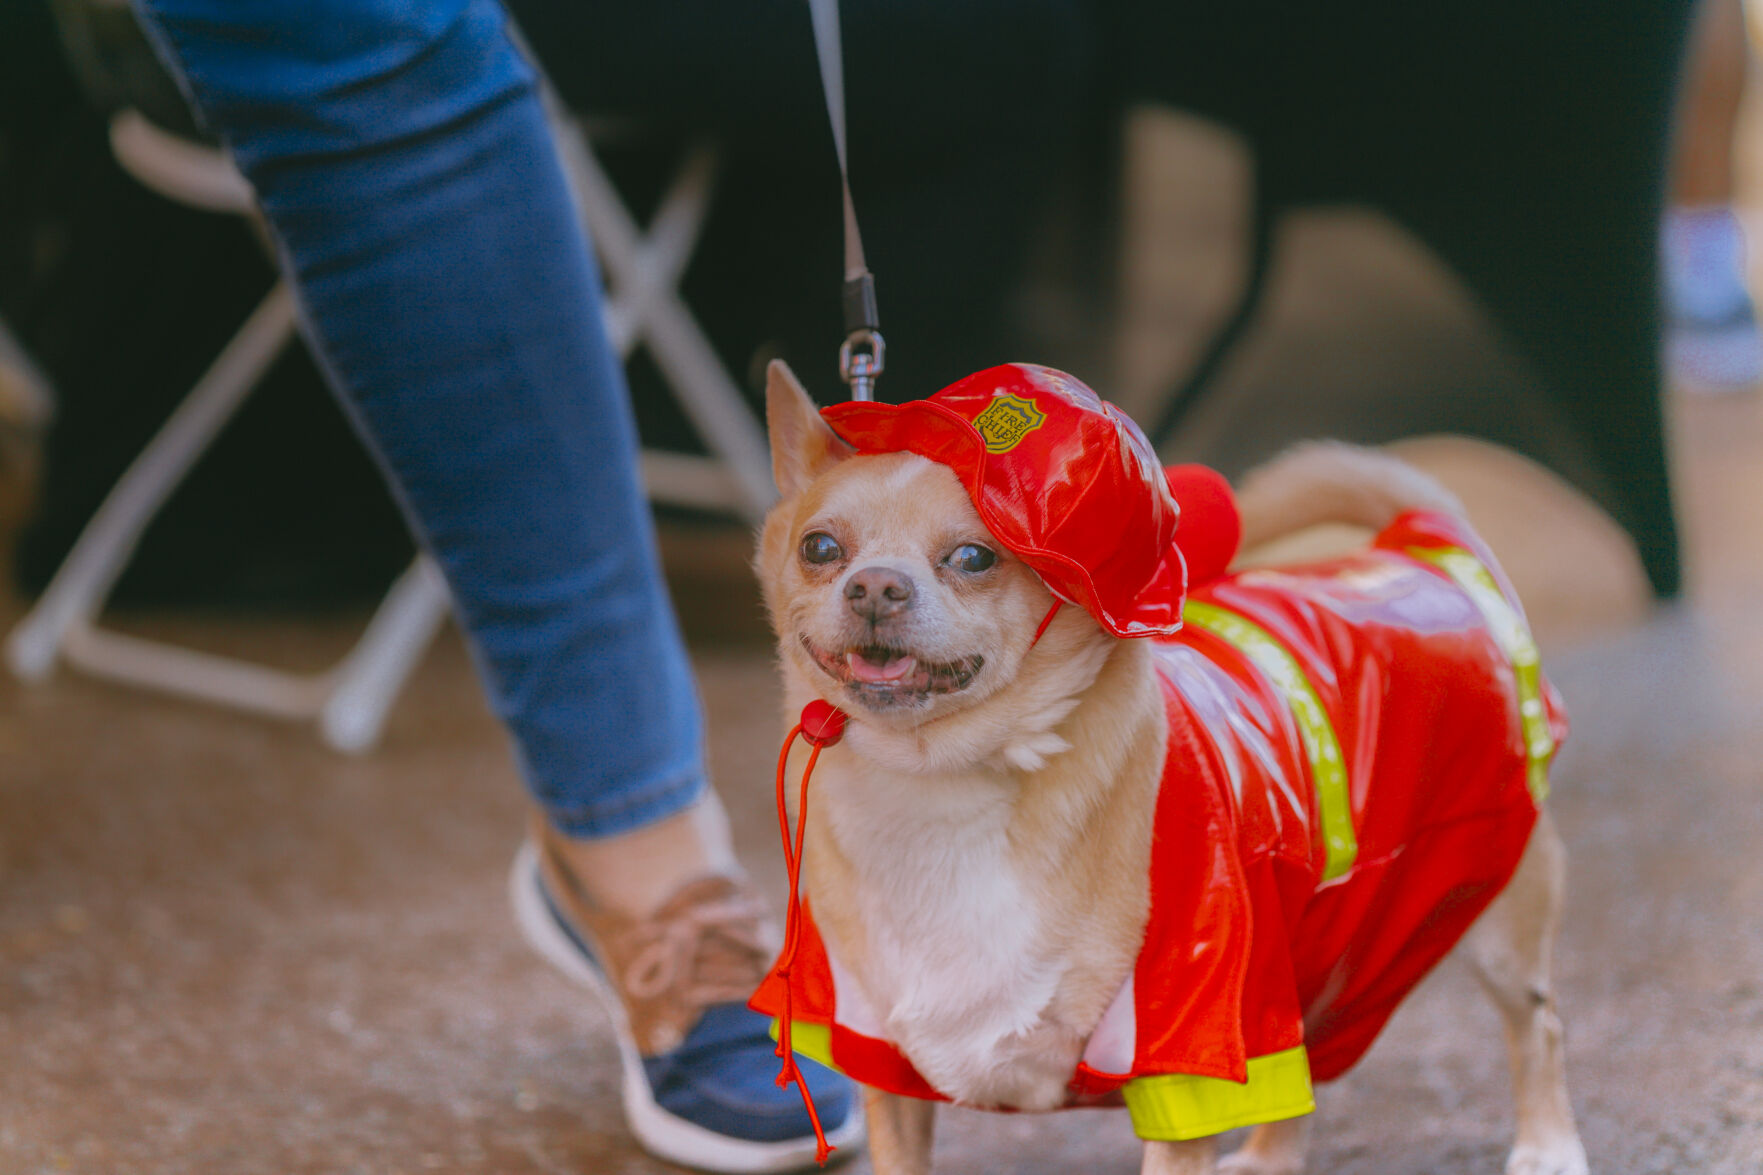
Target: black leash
x=863 y=353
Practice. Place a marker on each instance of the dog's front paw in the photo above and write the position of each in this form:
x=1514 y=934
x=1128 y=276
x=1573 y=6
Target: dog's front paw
x=1564 y=1156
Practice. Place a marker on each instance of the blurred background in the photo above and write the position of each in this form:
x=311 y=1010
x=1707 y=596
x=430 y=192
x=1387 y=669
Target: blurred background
x=256 y=930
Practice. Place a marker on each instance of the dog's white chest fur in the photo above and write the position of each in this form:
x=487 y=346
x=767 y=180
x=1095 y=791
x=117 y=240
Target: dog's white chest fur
x=958 y=968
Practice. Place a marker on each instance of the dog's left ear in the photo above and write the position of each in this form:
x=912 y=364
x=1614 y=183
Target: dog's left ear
x=802 y=446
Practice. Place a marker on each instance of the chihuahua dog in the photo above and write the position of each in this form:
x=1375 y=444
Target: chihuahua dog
x=978 y=845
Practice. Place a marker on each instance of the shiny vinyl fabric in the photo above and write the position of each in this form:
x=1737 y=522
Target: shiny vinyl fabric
x=1427 y=708
x=1067 y=482
x=1266 y=939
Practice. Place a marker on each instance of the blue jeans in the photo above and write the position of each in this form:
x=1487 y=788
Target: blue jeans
x=408 y=176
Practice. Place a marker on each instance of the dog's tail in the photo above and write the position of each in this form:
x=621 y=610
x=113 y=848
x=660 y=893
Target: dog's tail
x=1328 y=481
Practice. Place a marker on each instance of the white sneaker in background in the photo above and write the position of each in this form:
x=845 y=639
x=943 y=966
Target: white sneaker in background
x=1712 y=343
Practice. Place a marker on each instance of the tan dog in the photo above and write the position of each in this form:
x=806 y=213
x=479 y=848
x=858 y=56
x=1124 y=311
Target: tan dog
x=976 y=850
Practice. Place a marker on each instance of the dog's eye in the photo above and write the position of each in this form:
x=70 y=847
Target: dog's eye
x=821 y=547
x=972 y=557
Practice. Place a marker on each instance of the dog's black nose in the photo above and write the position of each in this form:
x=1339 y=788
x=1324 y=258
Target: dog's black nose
x=878 y=593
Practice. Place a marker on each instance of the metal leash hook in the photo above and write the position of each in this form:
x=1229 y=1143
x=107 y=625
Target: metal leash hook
x=861 y=359
x=864 y=352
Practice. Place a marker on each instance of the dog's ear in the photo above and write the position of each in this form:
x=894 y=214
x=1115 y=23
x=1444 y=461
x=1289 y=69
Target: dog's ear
x=802 y=446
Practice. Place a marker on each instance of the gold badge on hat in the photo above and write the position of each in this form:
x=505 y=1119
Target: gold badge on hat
x=1006 y=420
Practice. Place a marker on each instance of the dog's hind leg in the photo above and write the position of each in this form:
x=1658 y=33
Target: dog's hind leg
x=900 y=1133
x=1509 y=948
x=1273 y=1148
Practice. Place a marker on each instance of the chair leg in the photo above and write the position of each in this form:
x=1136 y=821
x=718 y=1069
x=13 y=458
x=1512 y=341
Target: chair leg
x=660 y=257
x=645 y=268
x=80 y=587
x=712 y=401
x=370 y=678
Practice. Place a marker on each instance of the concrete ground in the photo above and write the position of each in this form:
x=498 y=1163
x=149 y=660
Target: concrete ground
x=225 y=949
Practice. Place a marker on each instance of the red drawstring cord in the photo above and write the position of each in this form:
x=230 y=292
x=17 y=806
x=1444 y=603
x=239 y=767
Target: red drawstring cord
x=822 y=725
x=1045 y=621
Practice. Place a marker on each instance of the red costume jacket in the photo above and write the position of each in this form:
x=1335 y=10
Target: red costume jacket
x=1356 y=753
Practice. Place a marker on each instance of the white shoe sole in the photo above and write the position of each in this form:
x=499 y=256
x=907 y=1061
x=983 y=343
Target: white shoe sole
x=663 y=1134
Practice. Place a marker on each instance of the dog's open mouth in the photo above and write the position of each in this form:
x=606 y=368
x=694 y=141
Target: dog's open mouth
x=886 y=676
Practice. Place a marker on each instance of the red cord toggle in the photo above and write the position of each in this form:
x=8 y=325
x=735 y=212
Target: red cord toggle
x=822 y=725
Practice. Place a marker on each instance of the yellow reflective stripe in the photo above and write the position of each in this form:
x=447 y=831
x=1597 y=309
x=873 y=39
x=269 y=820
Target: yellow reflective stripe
x=1168 y=1106
x=814 y=1041
x=1176 y=1106
x=1327 y=768
x=1513 y=636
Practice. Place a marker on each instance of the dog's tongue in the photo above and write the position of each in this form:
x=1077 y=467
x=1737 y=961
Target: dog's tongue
x=875 y=672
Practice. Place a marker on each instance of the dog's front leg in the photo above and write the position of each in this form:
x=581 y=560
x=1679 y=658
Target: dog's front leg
x=900 y=1130
x=1274 y=1148
x=1180 y=1158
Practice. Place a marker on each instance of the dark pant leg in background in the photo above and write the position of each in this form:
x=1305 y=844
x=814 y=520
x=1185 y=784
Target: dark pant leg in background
x=1524 y=143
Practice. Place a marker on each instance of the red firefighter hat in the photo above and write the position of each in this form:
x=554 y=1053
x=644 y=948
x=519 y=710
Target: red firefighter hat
x=1065 y=481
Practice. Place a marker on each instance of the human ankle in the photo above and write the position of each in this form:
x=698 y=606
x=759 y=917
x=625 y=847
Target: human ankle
x=634 y=873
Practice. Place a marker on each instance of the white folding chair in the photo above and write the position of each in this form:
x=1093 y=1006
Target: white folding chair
x=350 y=701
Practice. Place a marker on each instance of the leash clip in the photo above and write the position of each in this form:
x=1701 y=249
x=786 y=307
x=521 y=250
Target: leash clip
x=862 y=356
